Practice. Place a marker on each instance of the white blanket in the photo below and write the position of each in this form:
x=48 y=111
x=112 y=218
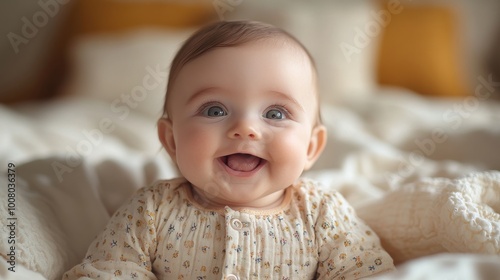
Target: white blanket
x=422 y=195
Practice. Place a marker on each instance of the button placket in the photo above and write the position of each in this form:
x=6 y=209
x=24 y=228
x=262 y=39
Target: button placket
x=234 y=228
x=236 y=224
x=232 y=277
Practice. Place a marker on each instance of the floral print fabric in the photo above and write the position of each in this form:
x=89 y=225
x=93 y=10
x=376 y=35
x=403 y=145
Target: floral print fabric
x=162 y=233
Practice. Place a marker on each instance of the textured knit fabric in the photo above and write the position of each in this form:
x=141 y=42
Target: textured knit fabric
x=438 y=215
x=163 y=233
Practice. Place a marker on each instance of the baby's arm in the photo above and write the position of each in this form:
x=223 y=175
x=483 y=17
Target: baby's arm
x=349 y=249
x=125 y=248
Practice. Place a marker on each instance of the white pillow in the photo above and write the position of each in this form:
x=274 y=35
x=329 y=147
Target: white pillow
x=129 y=70
x=326 y=27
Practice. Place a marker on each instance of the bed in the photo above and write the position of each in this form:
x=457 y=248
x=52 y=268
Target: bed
x=422 y=171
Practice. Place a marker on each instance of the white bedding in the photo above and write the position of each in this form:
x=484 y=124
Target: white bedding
x=72 y=174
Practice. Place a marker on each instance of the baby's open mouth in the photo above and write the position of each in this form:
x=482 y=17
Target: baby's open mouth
x=242 y=162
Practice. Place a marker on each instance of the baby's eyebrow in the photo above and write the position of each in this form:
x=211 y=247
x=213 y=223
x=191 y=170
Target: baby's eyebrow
x=288 y=97
x=200 y=92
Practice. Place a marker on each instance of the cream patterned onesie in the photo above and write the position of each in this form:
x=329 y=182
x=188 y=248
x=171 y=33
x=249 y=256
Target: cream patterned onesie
x=162 y=233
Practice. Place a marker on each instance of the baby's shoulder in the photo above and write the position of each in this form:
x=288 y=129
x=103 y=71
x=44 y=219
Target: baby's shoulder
x=312 y=189
x=312 y=192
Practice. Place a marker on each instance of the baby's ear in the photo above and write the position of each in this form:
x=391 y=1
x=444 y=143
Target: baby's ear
x=166 y=136
x=316 y=145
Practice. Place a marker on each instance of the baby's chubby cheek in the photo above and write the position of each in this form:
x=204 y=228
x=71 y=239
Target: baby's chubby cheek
x=189 y=144
x=289 y=150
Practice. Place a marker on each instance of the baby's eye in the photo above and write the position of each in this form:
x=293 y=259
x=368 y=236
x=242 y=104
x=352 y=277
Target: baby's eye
x=214 y=111
x=274 y=114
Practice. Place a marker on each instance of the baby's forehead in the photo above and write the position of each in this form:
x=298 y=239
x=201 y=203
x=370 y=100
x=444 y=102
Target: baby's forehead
x=296 y=51
x=284 y=42
x=278 y=57
x=277 y=45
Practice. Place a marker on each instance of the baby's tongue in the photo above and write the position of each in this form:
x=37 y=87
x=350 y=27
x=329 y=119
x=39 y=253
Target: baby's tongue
x=242 y=162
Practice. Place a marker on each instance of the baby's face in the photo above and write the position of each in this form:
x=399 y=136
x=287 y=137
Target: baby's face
x=240 y=124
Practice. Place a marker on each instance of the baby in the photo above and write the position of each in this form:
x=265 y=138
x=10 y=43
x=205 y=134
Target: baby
x=242 y=123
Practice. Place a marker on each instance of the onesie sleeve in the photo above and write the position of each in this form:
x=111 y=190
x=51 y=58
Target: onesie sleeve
x=125 y=248
x=349 y=249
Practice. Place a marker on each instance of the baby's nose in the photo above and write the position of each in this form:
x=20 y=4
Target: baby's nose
x=244 y=130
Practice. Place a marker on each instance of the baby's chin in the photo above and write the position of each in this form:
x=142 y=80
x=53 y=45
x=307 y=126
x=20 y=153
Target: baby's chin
x=216 y=199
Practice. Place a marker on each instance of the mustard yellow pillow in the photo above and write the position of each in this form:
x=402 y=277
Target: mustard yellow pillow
x=419 y=50
x=109 y=16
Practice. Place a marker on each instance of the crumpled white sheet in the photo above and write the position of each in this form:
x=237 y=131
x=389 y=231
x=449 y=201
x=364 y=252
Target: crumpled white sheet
x=368 y=159
x=436 y=215
x=447 y=266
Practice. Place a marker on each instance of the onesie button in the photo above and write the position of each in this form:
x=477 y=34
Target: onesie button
x=237 y=224
x=232 y=277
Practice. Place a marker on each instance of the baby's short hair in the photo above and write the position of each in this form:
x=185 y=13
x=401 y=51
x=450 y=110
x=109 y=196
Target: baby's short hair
x=229 y=34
